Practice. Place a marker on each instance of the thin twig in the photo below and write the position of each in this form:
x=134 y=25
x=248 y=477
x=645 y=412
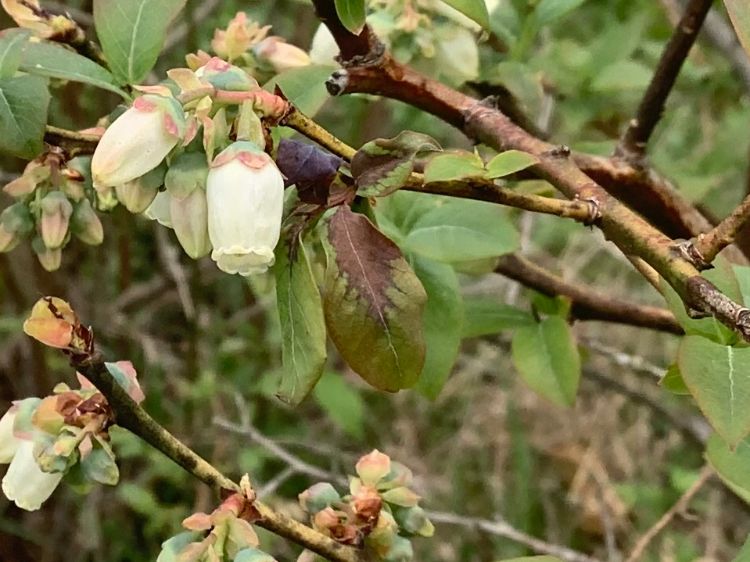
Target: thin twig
x=132 y=417
x=711 y=243
x=586 y=303
x=634 y=141
x=504 y=529
x=680 y=506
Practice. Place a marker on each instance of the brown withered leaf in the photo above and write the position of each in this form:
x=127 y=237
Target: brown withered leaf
x=373 y=303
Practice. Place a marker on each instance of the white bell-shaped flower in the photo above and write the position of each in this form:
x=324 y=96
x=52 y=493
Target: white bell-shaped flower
x=245 y=196
x=8 y=442
x=25 y=483
x=137 y=141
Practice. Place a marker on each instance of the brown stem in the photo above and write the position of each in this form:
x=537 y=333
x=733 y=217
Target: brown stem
x=634 y=140
x=708 y=245
x=587 y=304
x=379 y=73
x=132 y=417
x=73 y=142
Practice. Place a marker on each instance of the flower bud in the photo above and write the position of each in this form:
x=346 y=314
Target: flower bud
x=15 y=223
x=188 y=210
x=85 y=224
x=280 y=55
x=138 y=140
x=372 y=467
x=245 y=201
x=318 y=497
x=138 y=194
x=159 y=210
x=25 y=483
x=224 y=76
x=8 y=441
x=56 y=212
x=239 y=35
x=48 y=257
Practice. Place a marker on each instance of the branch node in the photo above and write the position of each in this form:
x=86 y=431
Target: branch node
x=560 y=151
x=687 y=250
x=595 y=209
x=337 y=82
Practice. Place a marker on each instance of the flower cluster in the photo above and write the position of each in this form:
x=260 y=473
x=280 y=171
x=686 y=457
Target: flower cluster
x=54 y=202
x=225 y=535
x=380 y=511
x=227 y=204
x=42 y=438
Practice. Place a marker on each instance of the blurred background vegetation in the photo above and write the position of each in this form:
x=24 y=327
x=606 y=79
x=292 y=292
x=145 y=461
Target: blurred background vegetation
x=207 y=346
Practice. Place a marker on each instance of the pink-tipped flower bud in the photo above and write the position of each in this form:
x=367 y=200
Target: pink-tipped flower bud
x=245 y=201
x=280 y=55
x=138 y=140
x=224 y=76
x=53 y=224
x=85 y=224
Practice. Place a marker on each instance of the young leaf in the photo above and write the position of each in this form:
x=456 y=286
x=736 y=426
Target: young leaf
x=547 y=358
x=509 y=162
x=305 y=87
x=733 y=466
x=461 y=230
x=382 y=166
x=673 y=381
x=12 y=43
x=50 y=59
x=718 y=376
x=132 y=34
x=452 y=166
x=310 y=168
x=474 y=9
x=24 y=101
x=443 y=316
x=343 y=404
x=373 y=303
x=485 y=316
x=352 y=14
x=303 y=332
x=739 y=14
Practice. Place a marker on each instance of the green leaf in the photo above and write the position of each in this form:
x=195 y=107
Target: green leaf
x=12 y=42
x=547 y=358
x=100 y=466
x=373 y=303
x=673 y=381
x=452 y=166
x=305 y=87
x=303 y=331
x=733 y=466
x=343 y=404
x=55 y=61
x=443 y=317
x=132 y=33
x=473 y=9
x=352 y=14
x=509 y=162
x=24 y=101
x=718 y=377
x=549 y=11
x=460 y=230
x=742 y=273
x=622 y=75
x=382 y=166
x=484 y=316
x=739 y=14
x=171 y=549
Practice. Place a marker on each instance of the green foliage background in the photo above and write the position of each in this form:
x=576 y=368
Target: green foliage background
x=592 y=477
